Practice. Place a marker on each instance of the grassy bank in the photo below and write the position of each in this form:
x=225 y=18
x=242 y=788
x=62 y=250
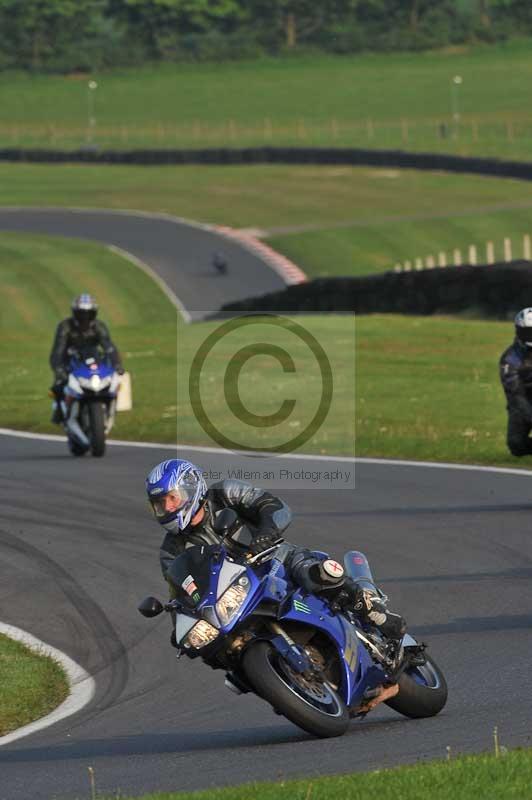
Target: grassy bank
x=426 y=388
x=31 y=685
x=485 y=776
x=332 y=221
x=364 y=100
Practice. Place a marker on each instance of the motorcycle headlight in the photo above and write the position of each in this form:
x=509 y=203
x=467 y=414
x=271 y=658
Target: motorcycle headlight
x=232 y=600
x=201 y=635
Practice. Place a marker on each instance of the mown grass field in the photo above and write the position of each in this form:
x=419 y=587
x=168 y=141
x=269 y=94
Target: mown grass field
x=375 y=100
x=330 y=220
x=31 y=685
x=509 y=776
x=426 y=388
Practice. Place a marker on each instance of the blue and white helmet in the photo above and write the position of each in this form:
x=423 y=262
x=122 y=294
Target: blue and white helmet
x=176 y=489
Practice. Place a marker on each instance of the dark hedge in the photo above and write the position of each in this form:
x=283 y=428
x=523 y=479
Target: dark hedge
x=497 y=292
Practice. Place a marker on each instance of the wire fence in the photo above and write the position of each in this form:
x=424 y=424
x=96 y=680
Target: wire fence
x=510 y=137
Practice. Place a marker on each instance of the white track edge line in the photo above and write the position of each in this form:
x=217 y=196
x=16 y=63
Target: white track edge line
x=82 y=685
x=393 y=462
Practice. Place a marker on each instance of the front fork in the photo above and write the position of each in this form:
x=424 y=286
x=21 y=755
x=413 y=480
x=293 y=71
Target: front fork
x=294 y=655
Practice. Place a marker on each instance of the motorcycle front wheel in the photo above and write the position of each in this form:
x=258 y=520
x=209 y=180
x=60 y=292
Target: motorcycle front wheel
x=422 y=692
x=310 y=704
x=97 y=429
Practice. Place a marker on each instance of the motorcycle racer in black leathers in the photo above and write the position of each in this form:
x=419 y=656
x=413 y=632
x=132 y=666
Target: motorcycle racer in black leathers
x=81 y=332
x=515 y=367
x=187 y=509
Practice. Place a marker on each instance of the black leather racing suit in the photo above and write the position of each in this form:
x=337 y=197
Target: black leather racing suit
x=267 y=517
x=516 y=377
x=68 y=334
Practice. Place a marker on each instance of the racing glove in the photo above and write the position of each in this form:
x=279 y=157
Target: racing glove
x=60 y=375
x=262 y=542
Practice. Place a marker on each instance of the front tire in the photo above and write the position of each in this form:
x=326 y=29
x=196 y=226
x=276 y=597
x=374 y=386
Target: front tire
x=97 y=429
x=316 y=708
x=422 y=692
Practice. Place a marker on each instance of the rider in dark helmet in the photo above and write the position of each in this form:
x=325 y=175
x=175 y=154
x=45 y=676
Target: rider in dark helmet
x=186 y=508
x=219 y=263
x=516 y=377
x=79 y=332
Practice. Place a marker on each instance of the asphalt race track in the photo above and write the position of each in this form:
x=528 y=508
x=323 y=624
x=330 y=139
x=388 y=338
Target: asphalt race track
x=180 y=253
x=78 y=550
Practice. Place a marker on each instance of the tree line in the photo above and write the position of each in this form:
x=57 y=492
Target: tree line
x=69 y=35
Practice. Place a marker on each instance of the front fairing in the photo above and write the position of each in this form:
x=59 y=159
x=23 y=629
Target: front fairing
x=91 y=378
x=200 y=576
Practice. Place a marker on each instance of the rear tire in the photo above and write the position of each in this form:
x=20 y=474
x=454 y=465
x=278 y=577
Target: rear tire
x=323 y=713
x=422 y=692
x=97 y=429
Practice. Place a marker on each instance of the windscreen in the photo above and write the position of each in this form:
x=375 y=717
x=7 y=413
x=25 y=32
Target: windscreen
x=189 y=574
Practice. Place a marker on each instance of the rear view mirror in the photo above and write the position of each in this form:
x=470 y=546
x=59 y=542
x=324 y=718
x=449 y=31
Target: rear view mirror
x=224 y=521
x=150 y=607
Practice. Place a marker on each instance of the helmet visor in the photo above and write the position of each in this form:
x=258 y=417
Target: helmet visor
x=175 y=500
x=84 y=316
x=524 y=334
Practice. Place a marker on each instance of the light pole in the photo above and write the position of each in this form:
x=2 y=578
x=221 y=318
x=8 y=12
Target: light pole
x=456 y=82
x=91 y=119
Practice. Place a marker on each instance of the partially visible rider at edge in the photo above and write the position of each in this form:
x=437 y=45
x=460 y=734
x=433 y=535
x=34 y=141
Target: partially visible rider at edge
x=516 y=377
x=81 y=332
x=186 y=509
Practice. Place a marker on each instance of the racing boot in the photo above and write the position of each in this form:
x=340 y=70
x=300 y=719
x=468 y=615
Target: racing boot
x=370 y=606
x=57 y=414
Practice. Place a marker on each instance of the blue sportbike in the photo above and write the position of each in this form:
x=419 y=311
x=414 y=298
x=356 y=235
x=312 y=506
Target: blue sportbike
x=88 y=404
x=316 y=665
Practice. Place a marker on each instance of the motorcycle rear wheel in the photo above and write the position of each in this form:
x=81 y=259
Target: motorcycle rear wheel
x=97 y=429
x=422 y=692
x=314 y=707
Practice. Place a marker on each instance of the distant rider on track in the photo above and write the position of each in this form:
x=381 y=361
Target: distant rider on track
x=79 y=332
x=186 y=508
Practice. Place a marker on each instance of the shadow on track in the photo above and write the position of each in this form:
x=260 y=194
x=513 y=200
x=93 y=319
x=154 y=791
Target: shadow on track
x=181 y=743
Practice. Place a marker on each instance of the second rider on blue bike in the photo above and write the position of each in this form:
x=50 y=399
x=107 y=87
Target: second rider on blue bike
x=186 y=509
x=79 y=332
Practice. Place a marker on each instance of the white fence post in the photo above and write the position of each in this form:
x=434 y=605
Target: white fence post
x=407 y=266
x=442 y=259
x=526 y=247
x=398 y=268
x=429 y=262
x=490 y=253
x=457 y=258
x=507 y=250
x=472 y=258
x=419 y=263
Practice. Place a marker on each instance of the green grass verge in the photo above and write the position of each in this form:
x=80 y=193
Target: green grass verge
x=396 y=100
x=31 y=685
x=426 y=388
x=361 y=220
x=485 y=776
